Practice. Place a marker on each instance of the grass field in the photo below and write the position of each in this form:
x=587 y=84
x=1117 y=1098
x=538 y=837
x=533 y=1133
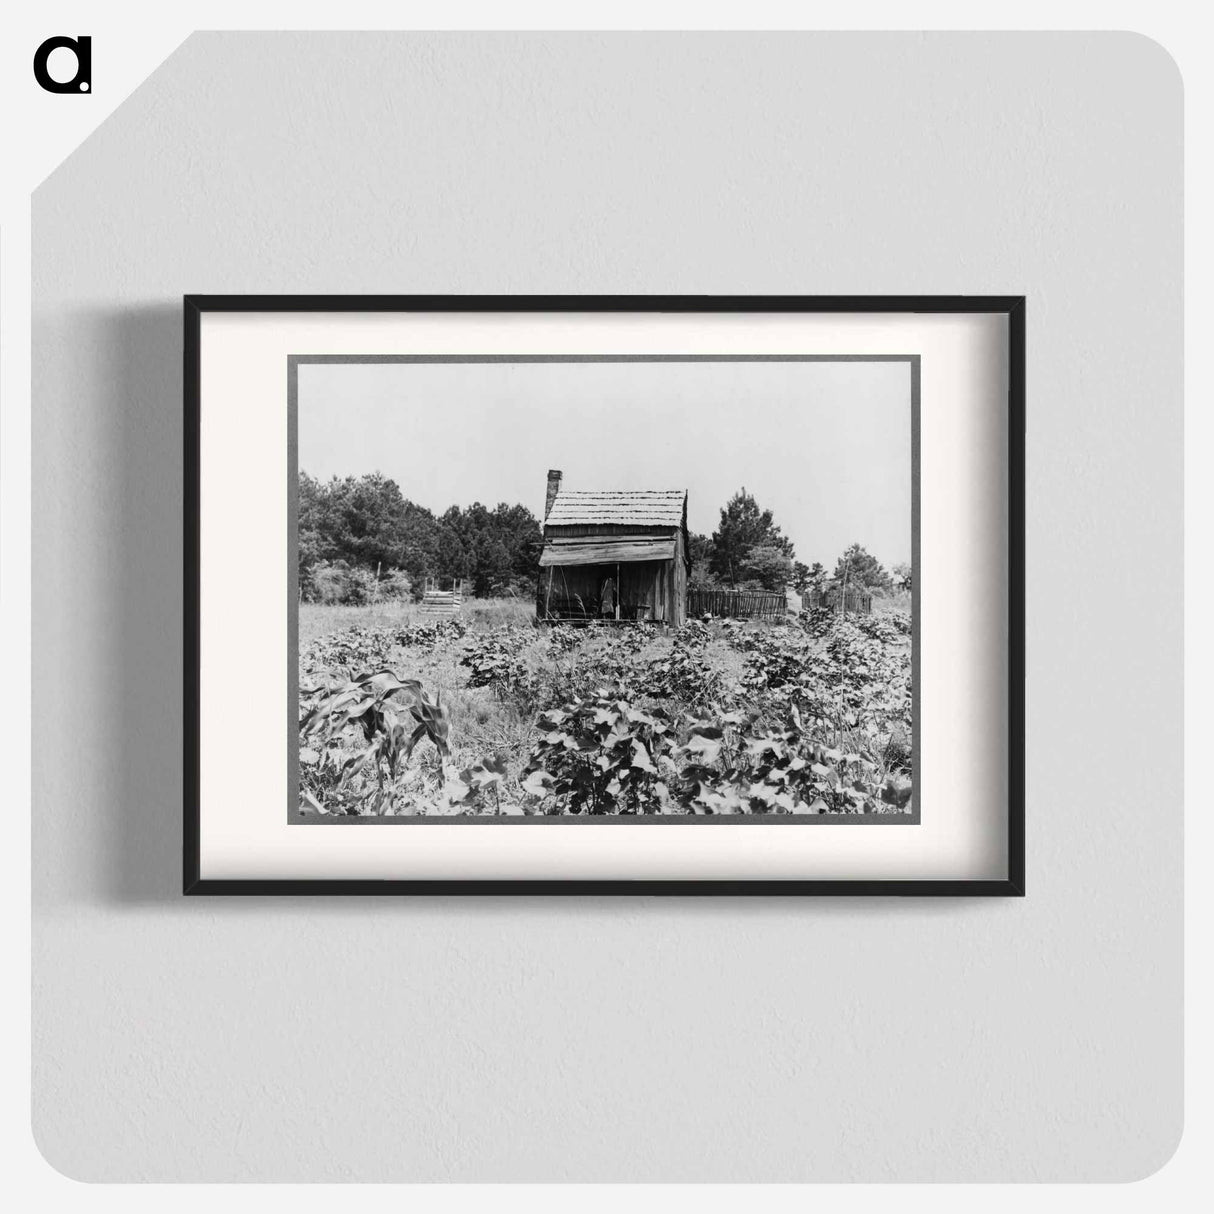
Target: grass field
x=319 y=619
x=728 y=717
x=892 y=604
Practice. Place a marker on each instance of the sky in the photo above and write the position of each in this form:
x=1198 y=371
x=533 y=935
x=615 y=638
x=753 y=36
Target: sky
x=825 y=446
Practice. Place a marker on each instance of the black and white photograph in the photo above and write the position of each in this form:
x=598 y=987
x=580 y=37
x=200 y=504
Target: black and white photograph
x=591 y=589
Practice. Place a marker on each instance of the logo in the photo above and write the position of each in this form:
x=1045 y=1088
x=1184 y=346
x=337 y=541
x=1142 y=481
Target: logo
x=82 y=81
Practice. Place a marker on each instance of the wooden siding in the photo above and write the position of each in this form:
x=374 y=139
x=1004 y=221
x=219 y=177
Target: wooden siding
x=569 y=530
x=601 y=550
x=678 y=580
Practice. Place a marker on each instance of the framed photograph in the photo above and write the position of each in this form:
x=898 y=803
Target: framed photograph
x=610 y=594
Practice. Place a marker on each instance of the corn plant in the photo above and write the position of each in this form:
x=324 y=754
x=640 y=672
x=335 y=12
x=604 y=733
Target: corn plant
x=393 y=716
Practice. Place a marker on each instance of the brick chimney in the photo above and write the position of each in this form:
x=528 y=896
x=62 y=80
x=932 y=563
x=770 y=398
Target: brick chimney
x=554 y=485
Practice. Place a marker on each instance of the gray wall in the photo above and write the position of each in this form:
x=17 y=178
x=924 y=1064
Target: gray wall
x=628 y=1039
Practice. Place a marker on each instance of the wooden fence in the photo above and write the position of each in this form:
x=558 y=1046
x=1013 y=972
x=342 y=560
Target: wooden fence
x=858 y=602
x=736 y=604
x=766 y=605
x=442 y=603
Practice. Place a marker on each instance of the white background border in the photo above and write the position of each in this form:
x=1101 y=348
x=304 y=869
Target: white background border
x=961 y=778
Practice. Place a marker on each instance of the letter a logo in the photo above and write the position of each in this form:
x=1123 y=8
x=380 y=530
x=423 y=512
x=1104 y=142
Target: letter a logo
x=82 y=81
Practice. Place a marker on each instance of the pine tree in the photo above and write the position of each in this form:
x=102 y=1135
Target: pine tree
x=744 y=528
x=858 y=568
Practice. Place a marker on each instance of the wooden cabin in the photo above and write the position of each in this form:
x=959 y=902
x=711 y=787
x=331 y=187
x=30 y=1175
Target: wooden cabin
x=614 y=555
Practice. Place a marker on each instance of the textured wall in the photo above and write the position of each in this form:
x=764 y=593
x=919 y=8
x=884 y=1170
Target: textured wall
x=626 y=1039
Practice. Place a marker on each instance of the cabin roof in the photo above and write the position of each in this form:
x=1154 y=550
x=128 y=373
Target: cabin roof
x=623 y=507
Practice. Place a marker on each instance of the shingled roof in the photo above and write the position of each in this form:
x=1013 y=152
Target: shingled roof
x=624 y=507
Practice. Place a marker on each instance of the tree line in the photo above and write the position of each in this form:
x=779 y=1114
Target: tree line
x=748 y=551
x=361 y=539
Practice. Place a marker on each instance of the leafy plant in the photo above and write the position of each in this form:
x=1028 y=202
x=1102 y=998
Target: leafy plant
x=887 y=627
x=600 y=756
x=363 y=648
x=818 y=621
x=694 y=635
x=774 y=663
x=477 y=780
x=392 y=715
x=736 y=766
x=493 y=660
x=354 y=648
x=685 y=674
x=596 y=721
x=428 y=635
x=562 y=639
x=598 y=657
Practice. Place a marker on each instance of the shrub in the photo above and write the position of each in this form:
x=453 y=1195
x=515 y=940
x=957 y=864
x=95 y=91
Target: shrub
x=818 y=621
x=428 y=635
x=889 y=627
x=493 y=660
x=603 y=755
x=600 y=756
x=694 y=634
x=395 y=587
x=686 y=674
x=562 y=639
x=358 y=649
x=353 y=650
x=339 y=583
x=737 y=766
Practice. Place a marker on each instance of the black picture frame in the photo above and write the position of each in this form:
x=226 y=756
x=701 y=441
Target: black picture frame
x=1011 y=306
